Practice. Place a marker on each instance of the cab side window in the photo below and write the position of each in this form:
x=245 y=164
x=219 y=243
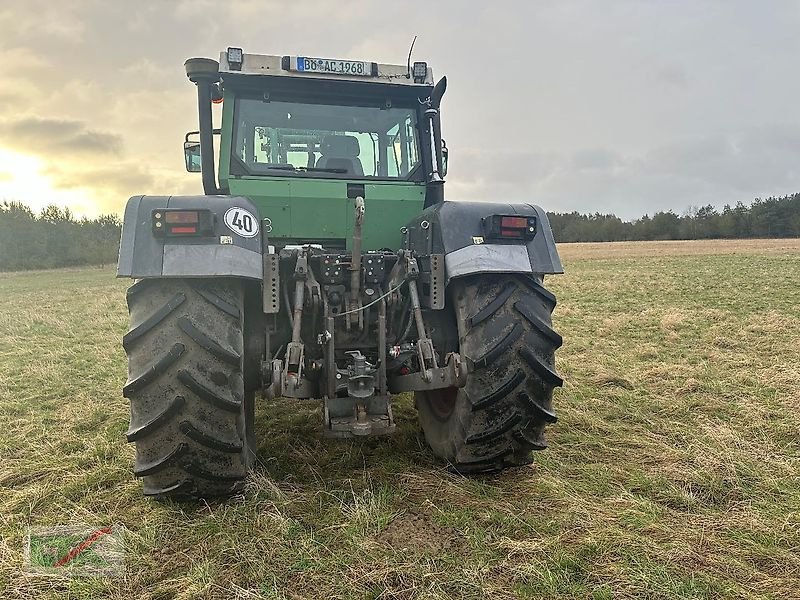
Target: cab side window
x=402 y=148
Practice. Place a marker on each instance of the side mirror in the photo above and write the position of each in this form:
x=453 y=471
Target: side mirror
x=444 y=158
x=191 y=155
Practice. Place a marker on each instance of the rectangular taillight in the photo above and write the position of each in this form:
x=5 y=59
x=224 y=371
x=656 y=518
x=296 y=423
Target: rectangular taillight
x=181 y=216
x=177 y=222
x=514 y=222
x=510 y=227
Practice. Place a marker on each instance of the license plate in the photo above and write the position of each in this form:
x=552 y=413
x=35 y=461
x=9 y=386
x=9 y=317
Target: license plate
x=306 y=64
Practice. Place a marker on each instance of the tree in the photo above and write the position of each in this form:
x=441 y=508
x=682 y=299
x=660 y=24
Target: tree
x=770 y=217
x=54 y=238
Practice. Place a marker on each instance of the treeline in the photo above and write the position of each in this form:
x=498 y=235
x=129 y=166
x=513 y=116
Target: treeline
x=768 y=218
x=54 y=238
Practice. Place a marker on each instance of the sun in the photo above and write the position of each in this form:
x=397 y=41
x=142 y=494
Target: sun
x=23 y=179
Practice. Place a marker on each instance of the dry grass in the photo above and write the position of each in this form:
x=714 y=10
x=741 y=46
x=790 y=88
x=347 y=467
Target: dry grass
x=581 y=250
x=672 y=472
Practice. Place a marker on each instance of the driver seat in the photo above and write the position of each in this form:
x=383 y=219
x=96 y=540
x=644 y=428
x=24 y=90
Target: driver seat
x=341 y=152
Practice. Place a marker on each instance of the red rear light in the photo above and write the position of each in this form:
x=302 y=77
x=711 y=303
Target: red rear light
x=509 y=227
x=181 y=216
x=514 y=222
x=514 y=233
x=179 y=222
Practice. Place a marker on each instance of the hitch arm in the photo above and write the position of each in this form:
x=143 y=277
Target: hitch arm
x=355 y=266
x=293 y=367
x=427 y=356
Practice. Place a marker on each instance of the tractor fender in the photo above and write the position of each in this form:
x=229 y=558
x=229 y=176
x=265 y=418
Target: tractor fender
x=457 y=230
x=221 y=252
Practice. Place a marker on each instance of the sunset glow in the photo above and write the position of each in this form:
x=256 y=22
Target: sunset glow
x=23 y=178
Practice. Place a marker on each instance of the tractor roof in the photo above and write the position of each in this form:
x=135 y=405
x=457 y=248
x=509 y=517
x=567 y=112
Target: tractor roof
x=234 y=61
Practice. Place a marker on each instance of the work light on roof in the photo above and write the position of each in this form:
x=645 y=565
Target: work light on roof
x=235 y=58
x=419 y=72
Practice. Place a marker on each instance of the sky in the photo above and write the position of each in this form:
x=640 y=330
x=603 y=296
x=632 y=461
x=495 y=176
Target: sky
x=619 y=106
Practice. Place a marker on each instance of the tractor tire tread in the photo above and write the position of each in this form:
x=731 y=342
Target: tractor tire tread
x=140 y=470
x=198 y=471
x=216 y=301
x=159 y=420
x=496 y=431
x=207 y=393
x=484 y=464
x=152 y=372
x=529 y=312
x=138 y=286
x=501 y=413
x=494 y=351
x=546 y=415
x=501 y=392
x=208 y=440
x=539 y=289
x=204 y=340
x=137 y=332
x=188 y=421
x=543 y=369
x=533 y=442
x=491 y=308
x=175 y=490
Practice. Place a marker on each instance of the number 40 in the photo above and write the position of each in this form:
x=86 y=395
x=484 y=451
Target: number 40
x=243 y=222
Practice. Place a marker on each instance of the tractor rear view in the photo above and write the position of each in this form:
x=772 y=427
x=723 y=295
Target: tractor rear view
x=323 y=262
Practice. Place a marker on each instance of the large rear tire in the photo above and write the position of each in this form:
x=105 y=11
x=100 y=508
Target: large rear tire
x=508 y=344
x=191 y=420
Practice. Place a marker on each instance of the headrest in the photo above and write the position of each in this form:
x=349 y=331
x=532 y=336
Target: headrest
x=340 y=145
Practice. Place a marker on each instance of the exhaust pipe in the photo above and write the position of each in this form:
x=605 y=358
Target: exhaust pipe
x=434 y=193
x=204 y=72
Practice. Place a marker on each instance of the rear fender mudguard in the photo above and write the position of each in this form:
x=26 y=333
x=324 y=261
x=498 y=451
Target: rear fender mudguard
x=456 y=230
x=224 y=253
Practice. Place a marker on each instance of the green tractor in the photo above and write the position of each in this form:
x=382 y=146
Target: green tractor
x=326 y=264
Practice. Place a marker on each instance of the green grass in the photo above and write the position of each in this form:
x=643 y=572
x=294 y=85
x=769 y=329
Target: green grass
x=673 y=472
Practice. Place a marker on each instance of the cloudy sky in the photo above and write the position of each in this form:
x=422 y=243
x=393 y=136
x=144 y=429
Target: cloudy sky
x=621 y=106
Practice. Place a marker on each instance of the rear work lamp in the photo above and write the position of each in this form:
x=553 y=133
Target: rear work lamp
x=509 y=227
x=419 y=72
x=168 y=222
x=235 y=58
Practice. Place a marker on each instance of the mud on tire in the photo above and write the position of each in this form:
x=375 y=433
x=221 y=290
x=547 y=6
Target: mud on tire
x=190 y=418
x=508 y=344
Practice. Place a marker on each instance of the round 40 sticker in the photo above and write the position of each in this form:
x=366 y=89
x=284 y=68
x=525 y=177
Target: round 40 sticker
x=241 y=222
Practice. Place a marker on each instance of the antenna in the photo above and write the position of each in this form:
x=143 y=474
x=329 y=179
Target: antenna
x=408 y=62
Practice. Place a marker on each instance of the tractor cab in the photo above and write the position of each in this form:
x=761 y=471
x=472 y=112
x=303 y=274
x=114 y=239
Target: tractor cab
x=303 y=137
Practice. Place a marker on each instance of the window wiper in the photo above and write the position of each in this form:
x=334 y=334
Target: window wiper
x=322 y=169
x=304 y=169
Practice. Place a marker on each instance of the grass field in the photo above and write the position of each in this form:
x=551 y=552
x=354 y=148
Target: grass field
x=673 y=471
